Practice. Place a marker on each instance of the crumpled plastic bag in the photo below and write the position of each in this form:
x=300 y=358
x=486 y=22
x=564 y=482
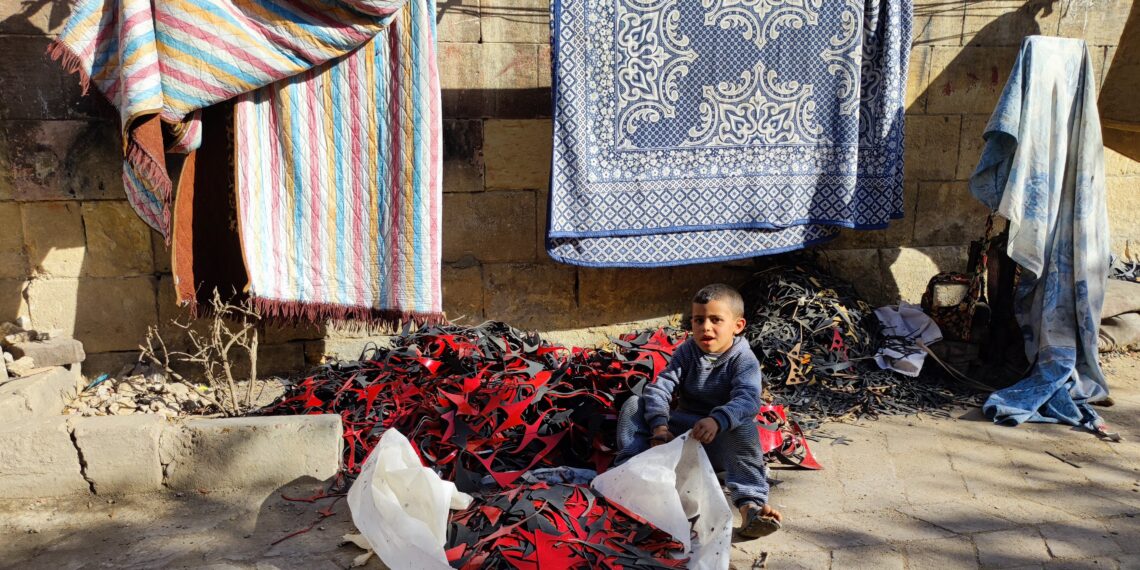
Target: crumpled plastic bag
x=667 y=486
x=401 y=507
x=911 y=325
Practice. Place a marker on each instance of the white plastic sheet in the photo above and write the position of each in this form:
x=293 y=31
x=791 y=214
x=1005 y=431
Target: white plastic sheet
x=401 y=507
x=911 y=322
x=670 y=484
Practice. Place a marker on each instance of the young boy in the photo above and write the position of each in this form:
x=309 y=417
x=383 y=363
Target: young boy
x=718 y=382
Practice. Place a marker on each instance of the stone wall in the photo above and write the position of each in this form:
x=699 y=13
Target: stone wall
x=74 y=257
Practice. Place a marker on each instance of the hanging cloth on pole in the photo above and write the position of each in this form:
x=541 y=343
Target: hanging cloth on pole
x=688 y=132
x=1043 y=169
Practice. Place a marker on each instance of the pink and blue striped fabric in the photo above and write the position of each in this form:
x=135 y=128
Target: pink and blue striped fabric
x=339 y=181
x=176 y=56
x=337 y=136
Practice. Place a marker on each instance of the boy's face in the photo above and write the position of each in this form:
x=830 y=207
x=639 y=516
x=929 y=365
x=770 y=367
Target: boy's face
x=714 y=326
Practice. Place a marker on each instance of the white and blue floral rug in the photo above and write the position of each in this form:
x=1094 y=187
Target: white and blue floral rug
x=689 y=131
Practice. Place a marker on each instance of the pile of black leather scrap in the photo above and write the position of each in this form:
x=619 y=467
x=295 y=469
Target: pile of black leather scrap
x=816 y=341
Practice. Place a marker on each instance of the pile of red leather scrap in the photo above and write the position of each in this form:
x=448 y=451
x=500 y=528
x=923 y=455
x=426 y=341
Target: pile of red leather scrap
x=556 y=526
x=491 y=401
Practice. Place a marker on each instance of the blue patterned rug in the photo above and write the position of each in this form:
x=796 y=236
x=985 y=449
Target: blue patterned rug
x=690 y=131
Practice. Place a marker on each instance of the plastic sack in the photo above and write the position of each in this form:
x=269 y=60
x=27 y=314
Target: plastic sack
x=668 y=486
x=401 y=507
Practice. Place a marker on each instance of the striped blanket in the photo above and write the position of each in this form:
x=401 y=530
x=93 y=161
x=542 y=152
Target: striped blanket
x=340 y=221
x=174 y=57
x=340 y=208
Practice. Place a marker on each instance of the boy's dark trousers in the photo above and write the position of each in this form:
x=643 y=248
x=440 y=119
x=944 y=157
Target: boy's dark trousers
x=736 y=452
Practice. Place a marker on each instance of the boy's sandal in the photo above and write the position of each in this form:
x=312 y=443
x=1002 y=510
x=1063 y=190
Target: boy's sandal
x=758 y=525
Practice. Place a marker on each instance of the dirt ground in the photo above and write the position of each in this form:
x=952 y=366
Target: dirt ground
x=902 y=492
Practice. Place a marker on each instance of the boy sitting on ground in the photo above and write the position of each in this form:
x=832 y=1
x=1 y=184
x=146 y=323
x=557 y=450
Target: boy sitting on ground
x=718 y=379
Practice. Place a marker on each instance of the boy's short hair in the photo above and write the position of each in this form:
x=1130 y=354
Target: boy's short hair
x=723 y=293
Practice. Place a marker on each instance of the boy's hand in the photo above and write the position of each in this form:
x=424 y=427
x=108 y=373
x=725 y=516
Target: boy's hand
x=661 y=435
x=705 y=430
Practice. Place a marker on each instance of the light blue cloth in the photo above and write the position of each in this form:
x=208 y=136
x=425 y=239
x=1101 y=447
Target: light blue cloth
x=1043 y=169
x=691 y=131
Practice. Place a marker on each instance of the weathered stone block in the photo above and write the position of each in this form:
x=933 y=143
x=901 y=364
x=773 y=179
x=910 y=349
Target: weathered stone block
x=458 y=21
x=13 y=261
x=277 y=333
x=688 y=279
x=462 y=156
x=317 y=351
x=860 y=267
x=60 y=160
x=938 y=23
x=463 y=293
x=241 y=453
x=118 y=241
x=529 y=296
x=120 y=453
x=616 y=295
x=515 y=21
x=918 y=79
x=1116 y=164
x=544 y=66
x=159 y=253
x=1123 y=207
x=1007 y=22
x=53 y=352
x=906 y=270
x=931 y=151
x=491 y=226
x=109 y=362
x=948 y=214
x=277 y=360
x=1109 y=55
x=969 y=79
x=1098 y=23
x=45 y=91
x=104 y=314
x=970 y=147
x=56 y=244
x=39 y=460
x=492 y=80
x=12 y=302
x=40 y=395
x=517 y=154
x=33 y=18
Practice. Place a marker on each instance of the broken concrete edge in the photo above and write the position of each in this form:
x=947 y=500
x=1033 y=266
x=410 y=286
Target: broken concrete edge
x=42 y=394
x=142 y=453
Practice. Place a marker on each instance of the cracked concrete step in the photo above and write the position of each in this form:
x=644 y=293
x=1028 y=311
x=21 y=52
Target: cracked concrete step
x=120 y=453
x=38 y=459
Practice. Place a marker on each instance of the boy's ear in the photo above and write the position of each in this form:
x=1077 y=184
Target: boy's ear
x=740 y=323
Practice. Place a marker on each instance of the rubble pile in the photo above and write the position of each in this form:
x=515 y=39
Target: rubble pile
x=816 y=341
x=141 y=394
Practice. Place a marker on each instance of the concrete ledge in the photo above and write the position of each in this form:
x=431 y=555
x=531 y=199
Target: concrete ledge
x=39 y=395
x=120 y=453
x=39 y=459
x=259 y=452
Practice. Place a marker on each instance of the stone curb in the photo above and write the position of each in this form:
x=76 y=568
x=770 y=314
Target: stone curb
x=118 y=455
